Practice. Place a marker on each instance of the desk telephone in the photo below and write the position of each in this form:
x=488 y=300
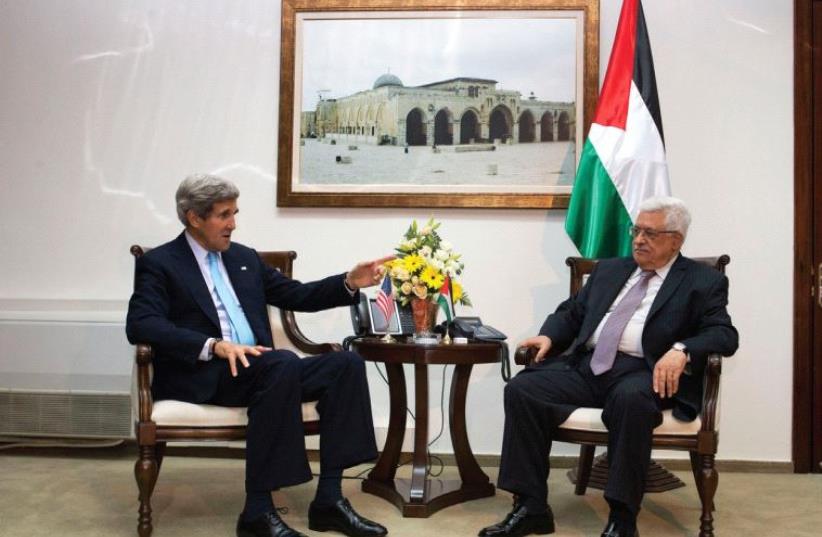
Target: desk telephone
x=472 y=328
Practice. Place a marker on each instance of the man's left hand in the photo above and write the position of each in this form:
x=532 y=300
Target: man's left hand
x=367 y=273
x=667 y=372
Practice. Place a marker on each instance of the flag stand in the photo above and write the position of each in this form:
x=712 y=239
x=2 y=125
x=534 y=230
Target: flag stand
x=388 y=338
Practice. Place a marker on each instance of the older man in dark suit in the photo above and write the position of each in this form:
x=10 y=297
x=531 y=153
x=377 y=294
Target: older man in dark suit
x=635 y=340
x=200 y=301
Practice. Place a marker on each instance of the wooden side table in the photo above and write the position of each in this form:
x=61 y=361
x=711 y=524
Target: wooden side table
x=420 y=496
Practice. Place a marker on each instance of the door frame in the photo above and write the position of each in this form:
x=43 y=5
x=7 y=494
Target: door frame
x=803 y=238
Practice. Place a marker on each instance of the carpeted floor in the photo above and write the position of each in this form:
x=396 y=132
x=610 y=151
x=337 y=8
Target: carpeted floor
x=87 y=495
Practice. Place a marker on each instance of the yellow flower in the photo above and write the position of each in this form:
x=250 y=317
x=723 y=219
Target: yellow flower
x=432 y=277
x=412 y=262
x=456 y=291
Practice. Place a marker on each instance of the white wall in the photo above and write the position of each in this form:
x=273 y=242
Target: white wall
x=106 y=104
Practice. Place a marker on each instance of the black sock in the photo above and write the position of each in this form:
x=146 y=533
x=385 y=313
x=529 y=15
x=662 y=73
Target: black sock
x=621 y=514
x=329 y=488
x=534 y=506
x=256 y=505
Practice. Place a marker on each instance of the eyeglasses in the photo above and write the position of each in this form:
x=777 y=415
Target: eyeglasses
x=650 y=234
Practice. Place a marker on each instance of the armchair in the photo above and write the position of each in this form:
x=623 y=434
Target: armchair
x=158 y=422
x=699 y=437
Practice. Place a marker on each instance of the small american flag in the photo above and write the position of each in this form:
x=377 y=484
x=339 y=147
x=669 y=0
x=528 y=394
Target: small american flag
x=385 y=300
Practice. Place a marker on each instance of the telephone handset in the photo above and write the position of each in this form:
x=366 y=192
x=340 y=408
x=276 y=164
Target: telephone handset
x=472 y=328
x=368 y=320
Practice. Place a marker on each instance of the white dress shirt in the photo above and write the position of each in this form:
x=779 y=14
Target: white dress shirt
x=631 y=340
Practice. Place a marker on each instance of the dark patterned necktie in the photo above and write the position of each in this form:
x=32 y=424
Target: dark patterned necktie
x=608 y=342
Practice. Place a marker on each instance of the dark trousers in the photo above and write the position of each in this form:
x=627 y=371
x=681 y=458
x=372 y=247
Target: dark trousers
x=540 y=398
x=274 y=387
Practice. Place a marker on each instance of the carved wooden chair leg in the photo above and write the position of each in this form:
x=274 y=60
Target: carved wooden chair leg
x=696 y=468
x=586 y=459
x=710 y=480
x=145 y=472
x=160 y=451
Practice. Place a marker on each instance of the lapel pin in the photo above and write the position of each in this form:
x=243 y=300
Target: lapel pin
x=243 y=267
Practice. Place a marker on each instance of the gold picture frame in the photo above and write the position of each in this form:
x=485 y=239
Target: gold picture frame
x=453 y=139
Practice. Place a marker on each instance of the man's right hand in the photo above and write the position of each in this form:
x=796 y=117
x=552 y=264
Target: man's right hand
x=541 y=343
x=234 y=353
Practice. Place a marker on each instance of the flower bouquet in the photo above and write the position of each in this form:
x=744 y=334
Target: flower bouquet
x=424 y=275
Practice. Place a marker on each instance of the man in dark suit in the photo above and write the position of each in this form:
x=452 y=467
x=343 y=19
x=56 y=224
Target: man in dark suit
x=634 y=340
x=200 y=301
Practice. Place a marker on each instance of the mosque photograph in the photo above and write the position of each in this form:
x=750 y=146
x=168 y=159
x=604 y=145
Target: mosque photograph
x=393 y=111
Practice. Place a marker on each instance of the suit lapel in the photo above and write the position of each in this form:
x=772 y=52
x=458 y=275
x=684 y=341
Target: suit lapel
x=672 y=281
x=238 y=273
x=189 y=271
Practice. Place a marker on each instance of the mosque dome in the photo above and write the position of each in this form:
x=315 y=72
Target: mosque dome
x=387 y=80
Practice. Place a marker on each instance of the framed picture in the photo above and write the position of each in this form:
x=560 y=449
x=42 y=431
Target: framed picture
x=434 y=103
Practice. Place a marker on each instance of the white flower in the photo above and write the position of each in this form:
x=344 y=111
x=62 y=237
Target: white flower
x=437 y=264
x=399 y=273
x=442 y=255
x=425 y=252
x=426 y=230
x=409 y=245
x=445 y=245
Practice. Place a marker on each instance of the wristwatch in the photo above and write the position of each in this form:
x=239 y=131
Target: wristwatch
x=679 y=346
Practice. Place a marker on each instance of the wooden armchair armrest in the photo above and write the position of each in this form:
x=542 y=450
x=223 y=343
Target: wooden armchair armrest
x=143 y=356
x=710 y=392
x=525 y=355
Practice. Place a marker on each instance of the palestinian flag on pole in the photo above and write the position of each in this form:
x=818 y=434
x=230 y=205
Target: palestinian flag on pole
x=444 y=300
x=623 y=160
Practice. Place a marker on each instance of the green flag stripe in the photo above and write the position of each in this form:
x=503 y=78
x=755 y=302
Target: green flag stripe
x=597 y=220
x=443 y=302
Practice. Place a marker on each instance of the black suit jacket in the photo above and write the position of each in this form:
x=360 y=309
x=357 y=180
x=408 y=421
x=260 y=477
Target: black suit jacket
x=172 y=310
x=690 y=307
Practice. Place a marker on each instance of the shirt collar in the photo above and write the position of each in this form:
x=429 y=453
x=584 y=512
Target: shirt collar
x=662 y=271
x=200 y=253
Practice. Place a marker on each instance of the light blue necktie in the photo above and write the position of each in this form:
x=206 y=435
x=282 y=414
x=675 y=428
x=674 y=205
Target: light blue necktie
x=240 y=329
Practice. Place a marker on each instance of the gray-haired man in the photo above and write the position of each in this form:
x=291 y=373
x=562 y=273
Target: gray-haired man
x=200 y=301
x=625 y=340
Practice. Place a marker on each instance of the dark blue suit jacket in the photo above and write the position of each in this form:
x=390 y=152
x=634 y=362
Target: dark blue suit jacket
x=690 y=307
x=172 y=310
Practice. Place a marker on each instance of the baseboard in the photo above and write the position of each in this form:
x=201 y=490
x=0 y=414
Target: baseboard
x=492 y=461
x=236 y=451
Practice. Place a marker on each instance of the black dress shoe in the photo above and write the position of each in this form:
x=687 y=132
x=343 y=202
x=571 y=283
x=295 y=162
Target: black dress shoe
x=614 y=529
x=519 y=523
x=267 y=525
x=341 y=517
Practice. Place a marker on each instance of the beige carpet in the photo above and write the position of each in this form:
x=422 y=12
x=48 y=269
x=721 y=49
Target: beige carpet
x=85 y=495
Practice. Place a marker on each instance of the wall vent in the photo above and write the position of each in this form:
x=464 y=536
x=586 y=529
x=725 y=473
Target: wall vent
x=65 y=414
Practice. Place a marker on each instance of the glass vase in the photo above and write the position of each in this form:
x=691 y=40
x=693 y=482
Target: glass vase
x=425 y=315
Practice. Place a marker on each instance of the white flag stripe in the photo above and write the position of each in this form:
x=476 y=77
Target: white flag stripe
x=635 y=157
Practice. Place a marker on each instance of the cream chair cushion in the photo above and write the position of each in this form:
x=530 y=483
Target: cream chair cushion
x=170 y=413
x=590 y=419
